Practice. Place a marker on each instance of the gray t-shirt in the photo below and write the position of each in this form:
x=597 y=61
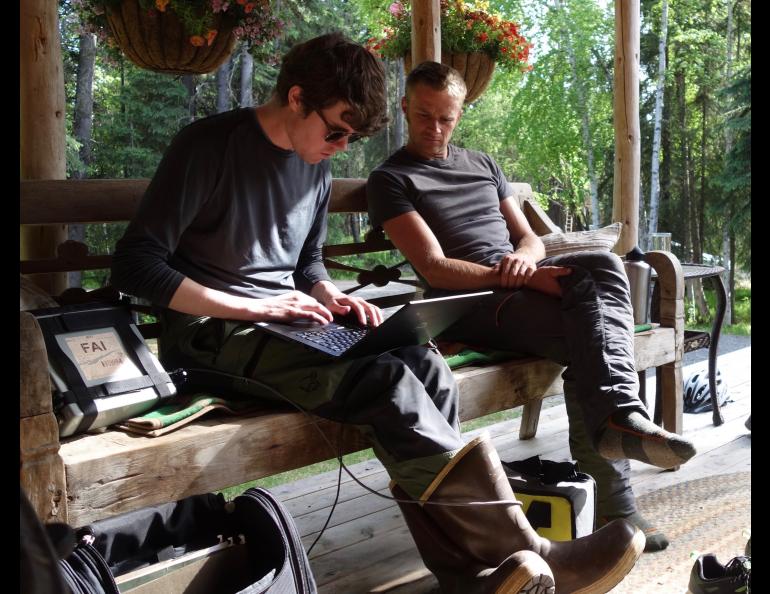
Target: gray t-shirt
x=459 y=198
x=231 y=211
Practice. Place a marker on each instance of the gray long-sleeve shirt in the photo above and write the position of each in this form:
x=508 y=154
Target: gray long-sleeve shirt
x=231 y=211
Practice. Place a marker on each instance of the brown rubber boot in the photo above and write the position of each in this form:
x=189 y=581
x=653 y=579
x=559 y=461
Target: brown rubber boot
x=593 y=564
x=457 y=572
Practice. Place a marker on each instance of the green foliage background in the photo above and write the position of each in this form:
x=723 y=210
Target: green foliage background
x=530 y=123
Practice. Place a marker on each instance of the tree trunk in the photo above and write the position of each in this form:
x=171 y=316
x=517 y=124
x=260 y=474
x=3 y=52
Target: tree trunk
x=664 y=199
x=728 y=236
x=398 y=126
x=84 y=101
x=655 y=161
x=354 y=223
x=732 y=319
x=388 y=88
x=81 y=125
x=702 y=197
x=223 y=86
x=188 y=80
x=247 y=81
x=700 y=297
x=685 y=175
x=582 y=107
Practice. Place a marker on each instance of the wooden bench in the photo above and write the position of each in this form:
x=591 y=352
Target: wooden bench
x=87 y=477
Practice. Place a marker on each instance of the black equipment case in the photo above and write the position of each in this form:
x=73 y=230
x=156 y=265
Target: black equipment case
x=101 y=369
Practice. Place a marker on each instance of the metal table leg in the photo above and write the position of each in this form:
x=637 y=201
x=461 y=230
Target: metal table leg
x=716 y=329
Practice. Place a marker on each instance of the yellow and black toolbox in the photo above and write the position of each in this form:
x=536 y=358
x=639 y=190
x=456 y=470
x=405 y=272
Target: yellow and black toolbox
x=559 y=501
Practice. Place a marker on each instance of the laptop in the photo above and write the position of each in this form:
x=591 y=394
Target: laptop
x=415 y=323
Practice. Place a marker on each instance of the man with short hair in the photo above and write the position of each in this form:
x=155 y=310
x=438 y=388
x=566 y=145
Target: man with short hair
x=450 y=211
x=230 y=233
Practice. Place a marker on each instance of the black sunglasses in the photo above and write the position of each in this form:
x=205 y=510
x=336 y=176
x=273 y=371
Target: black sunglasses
x=337 y=135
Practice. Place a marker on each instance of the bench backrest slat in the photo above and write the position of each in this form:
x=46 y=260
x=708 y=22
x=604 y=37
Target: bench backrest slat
x=56 y=202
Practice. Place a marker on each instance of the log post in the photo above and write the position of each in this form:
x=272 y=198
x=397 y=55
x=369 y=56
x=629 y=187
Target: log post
x=426 y=31
x=625 y=194
x=41 y=466
x=42 y=136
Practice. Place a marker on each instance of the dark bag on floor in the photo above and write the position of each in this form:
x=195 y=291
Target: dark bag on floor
x=199 y=545
x=559 y=501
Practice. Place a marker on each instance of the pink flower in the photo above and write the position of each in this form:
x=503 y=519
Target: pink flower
x=396 y=9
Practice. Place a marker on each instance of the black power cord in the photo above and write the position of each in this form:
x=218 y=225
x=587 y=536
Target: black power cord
x=180 y=373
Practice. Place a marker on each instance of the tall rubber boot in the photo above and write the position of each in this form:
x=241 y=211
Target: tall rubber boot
x=457 y=572
x=592 y=564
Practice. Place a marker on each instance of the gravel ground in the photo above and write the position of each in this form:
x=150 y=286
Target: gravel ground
x=727 y=344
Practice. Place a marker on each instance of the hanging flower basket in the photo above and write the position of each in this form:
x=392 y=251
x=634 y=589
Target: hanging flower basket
x=473 y=41
x=158 y=40
x=476 y=69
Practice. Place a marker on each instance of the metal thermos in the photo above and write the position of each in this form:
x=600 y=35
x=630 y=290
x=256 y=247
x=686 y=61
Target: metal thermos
x=638 y=272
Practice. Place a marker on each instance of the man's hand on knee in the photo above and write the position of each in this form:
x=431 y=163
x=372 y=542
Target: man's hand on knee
x=546 y=280
x=515 y=270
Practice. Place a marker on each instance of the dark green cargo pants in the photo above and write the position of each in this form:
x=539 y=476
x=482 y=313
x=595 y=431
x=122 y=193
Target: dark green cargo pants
x=405 y=401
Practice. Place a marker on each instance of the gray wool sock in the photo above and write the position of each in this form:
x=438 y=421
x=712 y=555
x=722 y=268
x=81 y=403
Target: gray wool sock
x=629 y=434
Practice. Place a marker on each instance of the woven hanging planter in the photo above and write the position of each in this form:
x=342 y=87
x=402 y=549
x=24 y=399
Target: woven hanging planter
x=158 y=41
x=476 y=69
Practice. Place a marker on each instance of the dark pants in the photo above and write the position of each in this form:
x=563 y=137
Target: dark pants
x=590 y=331
x=405 y=401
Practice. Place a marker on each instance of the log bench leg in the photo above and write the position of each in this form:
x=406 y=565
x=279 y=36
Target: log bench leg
x=42 y=469
x=530 y=418
x=40 y=465
x=669 y=398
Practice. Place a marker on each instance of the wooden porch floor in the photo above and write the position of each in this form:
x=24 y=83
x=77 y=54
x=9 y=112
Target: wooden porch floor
x=367 y=547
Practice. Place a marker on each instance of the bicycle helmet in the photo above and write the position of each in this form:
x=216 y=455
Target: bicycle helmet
x=697 y=394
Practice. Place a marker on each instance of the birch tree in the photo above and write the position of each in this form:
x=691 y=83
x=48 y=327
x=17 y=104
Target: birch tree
x=247 y=79
x=659 y=95
x=223 y=86
x=728 y=254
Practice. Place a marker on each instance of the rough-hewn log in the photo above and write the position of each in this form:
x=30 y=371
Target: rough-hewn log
x=42 y=136
x=41 y=471
x=35 y=387
x=625 y=195
x=114 y=472
x=48 y=202
x=426 y=31
x=80 y=201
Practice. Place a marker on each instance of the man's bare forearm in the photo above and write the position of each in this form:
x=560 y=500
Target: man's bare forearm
x=193 y=298
x=532 y=245
x=452 y=274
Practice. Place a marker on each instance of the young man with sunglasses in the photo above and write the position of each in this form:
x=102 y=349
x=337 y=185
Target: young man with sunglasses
x=229 y=233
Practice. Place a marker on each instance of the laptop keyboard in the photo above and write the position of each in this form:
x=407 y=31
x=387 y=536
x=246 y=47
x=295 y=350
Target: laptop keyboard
x=338 y=341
